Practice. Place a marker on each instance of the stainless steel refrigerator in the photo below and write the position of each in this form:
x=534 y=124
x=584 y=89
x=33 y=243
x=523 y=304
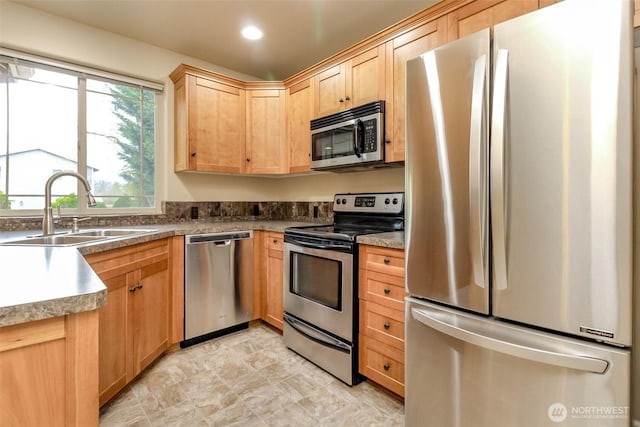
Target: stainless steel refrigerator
x=519 y=223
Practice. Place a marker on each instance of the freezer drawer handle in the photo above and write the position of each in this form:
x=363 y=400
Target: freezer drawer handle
x=462 y=329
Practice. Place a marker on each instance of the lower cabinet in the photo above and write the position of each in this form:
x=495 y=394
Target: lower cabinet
x=273 y=273
x=48 y=372
x=134 y=324
x=381 y=292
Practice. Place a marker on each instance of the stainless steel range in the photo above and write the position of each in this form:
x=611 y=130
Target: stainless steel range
x=320 y=280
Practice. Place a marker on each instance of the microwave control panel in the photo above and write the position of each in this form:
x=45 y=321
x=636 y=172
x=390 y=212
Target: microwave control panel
x=370 y=136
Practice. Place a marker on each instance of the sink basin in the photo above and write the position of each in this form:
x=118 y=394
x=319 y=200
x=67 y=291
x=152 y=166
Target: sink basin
x=78 y=238
x=111 y=232
x=57 y=240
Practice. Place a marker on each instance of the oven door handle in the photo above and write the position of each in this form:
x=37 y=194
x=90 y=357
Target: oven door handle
x=329 y=247
x=313 y=335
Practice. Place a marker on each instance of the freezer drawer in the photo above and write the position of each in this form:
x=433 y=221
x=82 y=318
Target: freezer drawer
x=466 y=370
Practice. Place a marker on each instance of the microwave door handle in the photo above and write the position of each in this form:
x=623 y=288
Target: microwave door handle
x=357 y=135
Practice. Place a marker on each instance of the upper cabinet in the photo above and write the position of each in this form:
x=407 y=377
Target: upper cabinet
x=266 y=147
x=226 y=125
x=299 y=102
x=209 y=115
x=481 y=14
x=636 y=15
x=399 y=50
x=354 y=82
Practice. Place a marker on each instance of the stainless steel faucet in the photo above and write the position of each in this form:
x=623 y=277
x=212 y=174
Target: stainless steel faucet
x=47 y=220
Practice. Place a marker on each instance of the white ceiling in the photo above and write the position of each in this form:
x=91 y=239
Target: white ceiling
x=298 y=33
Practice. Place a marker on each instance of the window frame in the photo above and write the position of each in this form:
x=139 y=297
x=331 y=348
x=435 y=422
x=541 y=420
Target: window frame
x=83 y=73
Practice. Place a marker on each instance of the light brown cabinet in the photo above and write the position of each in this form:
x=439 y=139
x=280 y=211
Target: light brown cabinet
x=209 y=120
x=273 y=261
x=135 y=322
x=636 y=15
x=354 y=82
x=48 y=372
x=482 y=14
x=399 y=50
x=381 y=292
x=266 y=145
x=299 y=101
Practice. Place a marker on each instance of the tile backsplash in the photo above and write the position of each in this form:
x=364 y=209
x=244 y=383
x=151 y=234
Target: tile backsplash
x=320 y=212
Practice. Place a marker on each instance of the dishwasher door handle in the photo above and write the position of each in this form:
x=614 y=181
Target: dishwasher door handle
x=217 y=238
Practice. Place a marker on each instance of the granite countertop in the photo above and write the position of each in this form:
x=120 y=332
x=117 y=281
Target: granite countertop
x=393 y=239
x=40 y=282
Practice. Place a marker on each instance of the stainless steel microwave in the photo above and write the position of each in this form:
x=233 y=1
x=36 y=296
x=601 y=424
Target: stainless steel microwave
x=351 y=138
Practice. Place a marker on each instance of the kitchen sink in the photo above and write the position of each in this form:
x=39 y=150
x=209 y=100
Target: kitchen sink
x=78 y=238
x=56 y=240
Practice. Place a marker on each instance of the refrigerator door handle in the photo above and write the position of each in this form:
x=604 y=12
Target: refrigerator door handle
x=477 y=171
x=498 y=191
x=472 y=332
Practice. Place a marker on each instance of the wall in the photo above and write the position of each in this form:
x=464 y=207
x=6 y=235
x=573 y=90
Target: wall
x=59 y=38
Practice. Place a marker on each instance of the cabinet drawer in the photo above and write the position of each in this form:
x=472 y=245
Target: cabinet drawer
x=382 y=323
x=382 y=364
x=274 y=241
x=382 y=260
x=382 y=289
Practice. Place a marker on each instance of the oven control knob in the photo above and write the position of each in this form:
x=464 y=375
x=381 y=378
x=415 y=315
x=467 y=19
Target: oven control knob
x=338 y=201
x=395 y=201
x=344 y=201
x=387 y=201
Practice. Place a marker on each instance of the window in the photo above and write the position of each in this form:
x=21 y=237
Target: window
x=57 y=118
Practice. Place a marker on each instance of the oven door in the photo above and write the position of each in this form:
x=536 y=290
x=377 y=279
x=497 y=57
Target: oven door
x=319 y=286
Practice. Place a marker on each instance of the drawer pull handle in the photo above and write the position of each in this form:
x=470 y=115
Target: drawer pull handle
x=386 y=260
x=386 y=326
x=386 y=366
x=387 y=290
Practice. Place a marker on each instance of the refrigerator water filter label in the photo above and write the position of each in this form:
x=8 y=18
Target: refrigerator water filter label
x=597 y=332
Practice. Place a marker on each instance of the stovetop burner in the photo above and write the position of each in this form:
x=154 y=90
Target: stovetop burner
x=359 y=214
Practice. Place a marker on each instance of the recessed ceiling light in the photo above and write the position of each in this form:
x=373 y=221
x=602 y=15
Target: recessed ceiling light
x=251 y=32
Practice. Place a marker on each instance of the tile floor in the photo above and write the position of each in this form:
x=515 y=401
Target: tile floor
x=248 y=378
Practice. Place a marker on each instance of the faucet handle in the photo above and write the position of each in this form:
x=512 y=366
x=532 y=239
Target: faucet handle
x=75 y=228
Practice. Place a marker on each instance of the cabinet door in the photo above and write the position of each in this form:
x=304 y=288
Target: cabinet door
x=366 y=77
x=299 y=111
x=482 y=14
x=274 y=262
x=266 y=149
x=402 y=48
x=112 y=338
x=329 y=91
x=216 y=126
x=148 y=313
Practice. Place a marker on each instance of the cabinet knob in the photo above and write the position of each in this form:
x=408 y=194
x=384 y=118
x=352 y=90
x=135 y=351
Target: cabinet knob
x=193 y=154
x=248 y=159
x=386 y=366
x=387 y=290
x=348 y=98
x=387 y=141
x=275 y=240
x=386 y=326
x=139 y=286
x=387 y=260
x=341 y=100
x=132 y=289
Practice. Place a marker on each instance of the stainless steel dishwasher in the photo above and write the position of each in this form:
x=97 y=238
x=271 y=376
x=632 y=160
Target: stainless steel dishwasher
x=218 y=284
